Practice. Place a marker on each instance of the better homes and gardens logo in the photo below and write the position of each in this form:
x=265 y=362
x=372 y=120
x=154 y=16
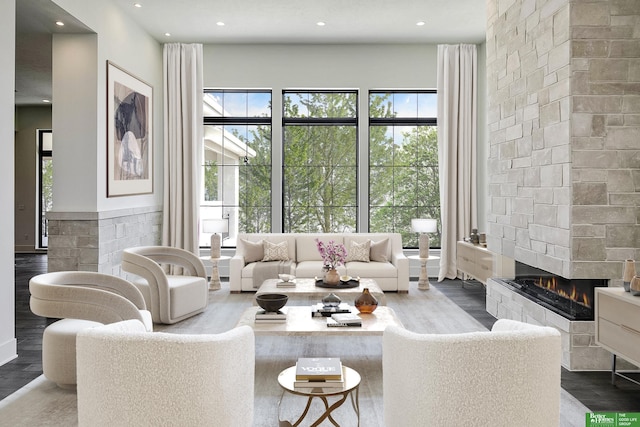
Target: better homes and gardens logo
x=613 y=419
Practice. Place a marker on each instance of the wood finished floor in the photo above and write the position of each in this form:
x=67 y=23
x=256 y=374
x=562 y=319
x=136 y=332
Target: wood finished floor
x=593 y=389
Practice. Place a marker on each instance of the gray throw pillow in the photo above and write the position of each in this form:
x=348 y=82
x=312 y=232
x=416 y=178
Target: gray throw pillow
x=358 y=251
x=379 y=251
x=253 y=251
x=276 y=251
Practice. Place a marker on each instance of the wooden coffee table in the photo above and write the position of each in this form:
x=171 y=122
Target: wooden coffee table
x=306 y=288
x=300 y=322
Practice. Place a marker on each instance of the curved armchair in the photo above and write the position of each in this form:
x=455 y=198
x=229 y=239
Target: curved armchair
x=130 y=378
x=81 y=299
x=170 y=297
x=505 y=377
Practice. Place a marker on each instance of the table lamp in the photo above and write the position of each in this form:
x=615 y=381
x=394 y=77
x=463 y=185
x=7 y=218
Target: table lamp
x=424 y=226
x=215 y=226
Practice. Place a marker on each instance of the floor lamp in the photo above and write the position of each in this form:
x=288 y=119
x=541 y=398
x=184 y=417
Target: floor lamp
x=424 y=226
x=215 y=226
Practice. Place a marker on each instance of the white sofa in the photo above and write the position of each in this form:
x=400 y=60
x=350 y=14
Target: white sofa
x=388 y=266
x=507 y=377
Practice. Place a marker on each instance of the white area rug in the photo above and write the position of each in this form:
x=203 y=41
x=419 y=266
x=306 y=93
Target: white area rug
x=42 y=403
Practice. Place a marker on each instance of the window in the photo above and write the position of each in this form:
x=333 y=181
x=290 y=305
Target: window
x=45 y=184
x=320 y=161
x=403 y=162
x=236 y=162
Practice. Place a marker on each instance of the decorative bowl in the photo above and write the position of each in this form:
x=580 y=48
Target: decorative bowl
x=271 y=302
x=286 y=277
x=345 y=278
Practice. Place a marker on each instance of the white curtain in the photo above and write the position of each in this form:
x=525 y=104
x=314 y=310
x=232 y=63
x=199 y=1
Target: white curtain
x=457 y=119
x=182 y=144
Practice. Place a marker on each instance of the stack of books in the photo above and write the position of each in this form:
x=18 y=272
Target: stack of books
x=321 y=310
x=279 y=316
x=319 y=372
x=344 y=319
x=287 y=284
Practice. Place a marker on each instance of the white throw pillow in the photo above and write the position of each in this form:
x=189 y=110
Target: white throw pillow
x=379 y=251
x=276 y=251
x=358 y=251
x=253 y=251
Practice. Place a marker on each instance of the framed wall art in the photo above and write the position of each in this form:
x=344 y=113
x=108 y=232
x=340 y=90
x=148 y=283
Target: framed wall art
x=129 y=134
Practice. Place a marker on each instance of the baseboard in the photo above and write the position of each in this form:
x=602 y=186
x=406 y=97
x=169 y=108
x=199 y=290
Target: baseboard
x=8 y=351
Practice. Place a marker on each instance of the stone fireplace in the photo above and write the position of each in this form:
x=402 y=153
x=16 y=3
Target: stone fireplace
x=563 y=83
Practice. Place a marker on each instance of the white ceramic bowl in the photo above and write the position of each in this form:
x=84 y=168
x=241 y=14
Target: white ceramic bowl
x=345 y=278
x=286 y=277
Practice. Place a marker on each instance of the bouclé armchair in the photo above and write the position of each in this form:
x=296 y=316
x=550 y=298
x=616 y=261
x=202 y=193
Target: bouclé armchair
x=171 y=297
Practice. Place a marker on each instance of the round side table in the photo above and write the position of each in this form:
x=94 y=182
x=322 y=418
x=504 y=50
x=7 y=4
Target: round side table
x=287 y=378
x=423 y=280
x=214 y=282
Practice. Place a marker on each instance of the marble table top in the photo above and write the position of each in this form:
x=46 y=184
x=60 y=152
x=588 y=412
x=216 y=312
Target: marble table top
x=307 y=288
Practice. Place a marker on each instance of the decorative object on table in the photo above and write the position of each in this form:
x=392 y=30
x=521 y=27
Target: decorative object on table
x=629 y=272
x=271 y=302
x=474 y=237
x=129 y=133
x=353 y=283
x=320 y=310
x=333 y=254
x=286 y=281
x=213 y=227
x=424 y=226
x=331 y=300
x=344 y=319
x=482 y=239
x=366 y=303
x=634 y=287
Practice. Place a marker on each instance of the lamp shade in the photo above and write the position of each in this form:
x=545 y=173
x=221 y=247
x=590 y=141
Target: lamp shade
x=215 y=225
x=424 y=225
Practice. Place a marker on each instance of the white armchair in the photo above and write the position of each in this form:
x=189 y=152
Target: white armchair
x=127 y=377
x=170 y=297
x=82 y=300
x=509 y=376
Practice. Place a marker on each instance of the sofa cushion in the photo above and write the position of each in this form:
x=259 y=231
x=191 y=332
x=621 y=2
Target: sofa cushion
x=185 y=296
x=371 y=269
x=276 y=251
x=253 y=251
x=358 y=251
x=379 y=251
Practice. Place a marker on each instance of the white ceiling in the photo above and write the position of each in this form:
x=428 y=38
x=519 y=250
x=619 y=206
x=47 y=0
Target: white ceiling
x=251 y=21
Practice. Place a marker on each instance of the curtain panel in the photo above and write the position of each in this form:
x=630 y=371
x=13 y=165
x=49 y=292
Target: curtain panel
x=457 y=146
x=183 y=86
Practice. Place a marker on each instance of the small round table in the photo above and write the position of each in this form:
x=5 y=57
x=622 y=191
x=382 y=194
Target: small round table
x=214 y=282
x=287 y=378
x=423 y=281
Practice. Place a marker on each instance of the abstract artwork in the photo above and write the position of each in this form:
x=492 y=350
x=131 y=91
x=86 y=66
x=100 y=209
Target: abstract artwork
x=129 y=134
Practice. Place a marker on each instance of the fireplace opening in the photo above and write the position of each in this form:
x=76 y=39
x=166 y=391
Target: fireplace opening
x=571 y=298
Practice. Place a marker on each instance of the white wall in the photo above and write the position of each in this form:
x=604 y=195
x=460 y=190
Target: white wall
x=79 y=105
x=361 y=67
x=8 y=344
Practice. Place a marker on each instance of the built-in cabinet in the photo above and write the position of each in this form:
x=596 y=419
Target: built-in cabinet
x=617 y=317
x=479 y=263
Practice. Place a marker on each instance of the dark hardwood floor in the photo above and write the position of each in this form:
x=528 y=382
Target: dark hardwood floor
x=593 y=389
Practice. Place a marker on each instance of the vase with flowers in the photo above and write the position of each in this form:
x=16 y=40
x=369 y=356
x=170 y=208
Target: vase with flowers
x=333 y=254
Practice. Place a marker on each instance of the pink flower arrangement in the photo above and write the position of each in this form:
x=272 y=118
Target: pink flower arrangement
x=332 y=253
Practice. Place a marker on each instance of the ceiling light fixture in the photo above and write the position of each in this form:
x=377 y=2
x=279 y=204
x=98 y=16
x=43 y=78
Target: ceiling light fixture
x=420 y=23
x=60 y=23
x=46 y=100
x=137 y=5
x=167 y=34
x=320 y=24
x=220 y=24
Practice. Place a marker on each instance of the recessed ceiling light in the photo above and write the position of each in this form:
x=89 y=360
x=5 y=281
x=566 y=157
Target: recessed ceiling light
x=420 y=23
x=167 y=34
x=220 y=24
x=46 y=100
x=320 y=24
x=137 y=5
x=60 y=23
